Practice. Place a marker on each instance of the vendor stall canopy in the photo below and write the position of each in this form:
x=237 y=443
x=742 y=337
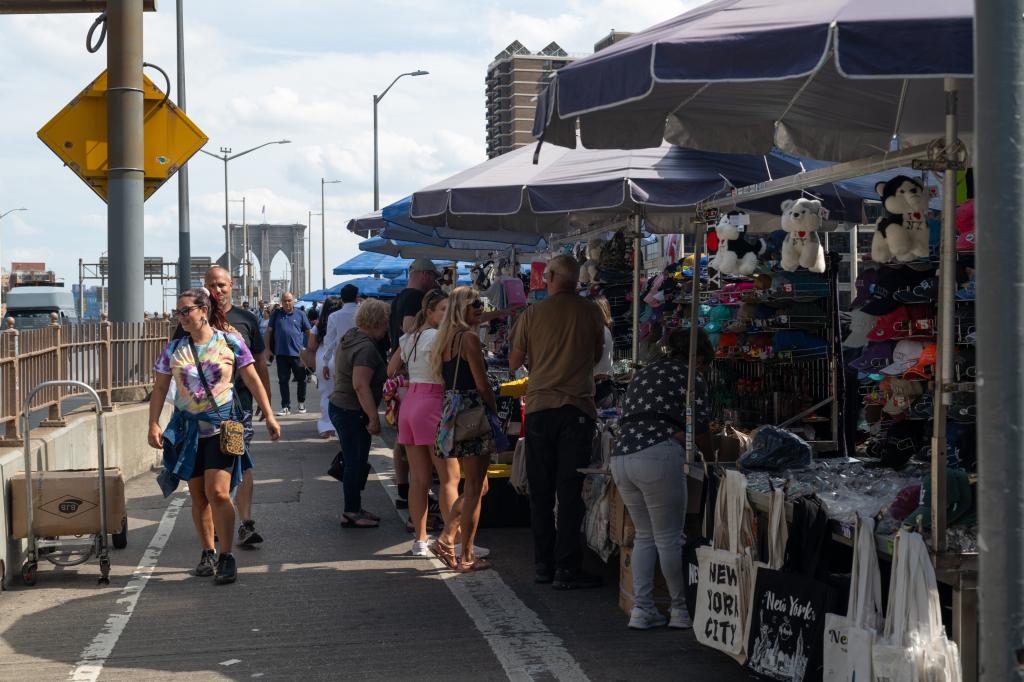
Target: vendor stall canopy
x=393 y=222
x=374 y=264
x=373 y=287
x=825 y=79
x=570 y=190
x=414 y=249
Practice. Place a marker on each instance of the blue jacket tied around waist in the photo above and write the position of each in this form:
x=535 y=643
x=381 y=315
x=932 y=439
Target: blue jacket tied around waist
x=181 y=445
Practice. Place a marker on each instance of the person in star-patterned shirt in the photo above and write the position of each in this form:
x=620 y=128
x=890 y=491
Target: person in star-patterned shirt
x=647 y=465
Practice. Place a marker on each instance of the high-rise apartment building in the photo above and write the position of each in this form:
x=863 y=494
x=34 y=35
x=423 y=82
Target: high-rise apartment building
x=514 y=79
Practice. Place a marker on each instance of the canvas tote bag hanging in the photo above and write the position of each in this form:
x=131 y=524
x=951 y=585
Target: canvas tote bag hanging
x=725 y=568
x=850 y=638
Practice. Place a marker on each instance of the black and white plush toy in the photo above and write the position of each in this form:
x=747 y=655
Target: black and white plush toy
x=736 y=256
x=801 y=220
x=902 y=233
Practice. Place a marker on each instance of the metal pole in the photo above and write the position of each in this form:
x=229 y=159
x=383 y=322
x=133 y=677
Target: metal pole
x=323 y=244
x=999 y=93
x=125 y=177
x=184 y=236
x=636 y=290
x=245 y=247
x=376 y=176
x=944 y=360
x=854 y=260
x=227 y=223
x=699 y=229
x=81 y=291
x=309 y=252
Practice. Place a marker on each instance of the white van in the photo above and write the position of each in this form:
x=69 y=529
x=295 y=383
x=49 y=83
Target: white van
x=31 y=306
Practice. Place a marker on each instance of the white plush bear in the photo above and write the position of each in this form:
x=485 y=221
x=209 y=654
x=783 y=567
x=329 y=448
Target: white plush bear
x=801 y=220
x=735 y=255
x=588 y=271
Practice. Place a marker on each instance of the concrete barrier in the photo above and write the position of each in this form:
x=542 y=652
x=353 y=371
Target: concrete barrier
x=74 y=447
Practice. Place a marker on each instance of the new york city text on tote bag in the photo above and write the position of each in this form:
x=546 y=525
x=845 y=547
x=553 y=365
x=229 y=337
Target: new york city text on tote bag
x=724 y=587
x=849 y=638
x=914 y=647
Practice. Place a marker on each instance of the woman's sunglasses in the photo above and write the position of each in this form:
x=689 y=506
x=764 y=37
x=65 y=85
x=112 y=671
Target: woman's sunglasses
x=477 y=304
x=183 y=312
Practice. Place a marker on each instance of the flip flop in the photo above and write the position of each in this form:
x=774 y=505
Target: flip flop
x=357 y=521
x=472 y=565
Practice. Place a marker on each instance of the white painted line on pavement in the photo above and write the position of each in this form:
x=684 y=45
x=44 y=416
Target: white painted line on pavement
x=231 y=661
x=524 y=646
x=94 y=656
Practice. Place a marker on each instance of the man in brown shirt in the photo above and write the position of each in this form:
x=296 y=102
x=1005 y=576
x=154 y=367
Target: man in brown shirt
x=561 y=339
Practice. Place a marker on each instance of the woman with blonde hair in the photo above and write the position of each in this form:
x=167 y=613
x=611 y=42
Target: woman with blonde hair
x=420 y=415
x=359 y=373
x=458 y=359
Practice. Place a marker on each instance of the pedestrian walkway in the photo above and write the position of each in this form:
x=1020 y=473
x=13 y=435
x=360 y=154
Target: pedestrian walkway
x=316 y=601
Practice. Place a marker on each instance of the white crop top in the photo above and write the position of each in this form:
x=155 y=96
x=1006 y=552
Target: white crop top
x=417 y=360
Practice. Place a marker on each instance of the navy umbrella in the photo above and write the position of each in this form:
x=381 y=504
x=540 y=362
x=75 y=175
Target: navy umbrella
x=824 y=79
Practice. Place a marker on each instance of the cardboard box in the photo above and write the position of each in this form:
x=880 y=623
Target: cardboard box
x=67 y=502
x=662 y=600
x=620 y=527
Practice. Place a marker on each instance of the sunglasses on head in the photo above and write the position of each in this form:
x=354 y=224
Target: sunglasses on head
x=182 y=312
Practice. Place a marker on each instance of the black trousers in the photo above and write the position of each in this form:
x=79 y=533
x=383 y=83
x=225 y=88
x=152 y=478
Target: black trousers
x=288 y=366
x=558 y=442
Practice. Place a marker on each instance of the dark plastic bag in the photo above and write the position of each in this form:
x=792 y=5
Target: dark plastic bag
x=776 y=449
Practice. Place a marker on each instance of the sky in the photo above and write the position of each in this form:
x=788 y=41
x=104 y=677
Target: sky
x=265 y=70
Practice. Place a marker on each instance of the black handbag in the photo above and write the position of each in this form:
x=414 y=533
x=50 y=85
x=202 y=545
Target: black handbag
x=232 y=431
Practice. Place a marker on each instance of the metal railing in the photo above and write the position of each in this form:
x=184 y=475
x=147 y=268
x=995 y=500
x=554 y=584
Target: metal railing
x=108 y=356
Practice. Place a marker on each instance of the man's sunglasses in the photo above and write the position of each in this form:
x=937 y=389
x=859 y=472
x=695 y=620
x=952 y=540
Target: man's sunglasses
x=183 y=312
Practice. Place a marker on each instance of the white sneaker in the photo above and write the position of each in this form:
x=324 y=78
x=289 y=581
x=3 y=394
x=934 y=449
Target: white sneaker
x=284 y=412
x=680 y=619
x=302 y=408
x=639 y=619
x=420 y=548
x=478 y=551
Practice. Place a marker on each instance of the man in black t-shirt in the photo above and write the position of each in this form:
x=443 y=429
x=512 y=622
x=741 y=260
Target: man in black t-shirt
x=218 y=281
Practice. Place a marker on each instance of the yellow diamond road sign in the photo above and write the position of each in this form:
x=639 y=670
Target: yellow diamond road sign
x=78 y=135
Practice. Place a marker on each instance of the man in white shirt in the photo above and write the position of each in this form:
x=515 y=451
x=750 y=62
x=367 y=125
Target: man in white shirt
x=338 y=323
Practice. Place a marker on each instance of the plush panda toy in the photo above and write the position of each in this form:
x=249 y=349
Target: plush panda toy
x=735 y=254
x=801 y=220
x=902 y=233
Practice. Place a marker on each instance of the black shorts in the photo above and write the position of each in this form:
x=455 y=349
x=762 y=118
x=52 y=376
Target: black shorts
x=209 y=457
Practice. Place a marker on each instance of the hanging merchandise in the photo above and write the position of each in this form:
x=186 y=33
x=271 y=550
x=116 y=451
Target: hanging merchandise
x=590 y=267
x=695 y=542
x=914 y=646
x=902 y=233
x=849 y=638
x=801 y=220
x=725 y=571
x=735 y=254
x=788 y=606
x=537 y=281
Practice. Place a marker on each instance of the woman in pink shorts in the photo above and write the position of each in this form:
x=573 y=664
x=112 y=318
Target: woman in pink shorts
x=419 y=416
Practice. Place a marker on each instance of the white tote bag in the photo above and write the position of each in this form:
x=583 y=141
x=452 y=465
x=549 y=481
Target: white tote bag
x=849 y=639
x=725 y=569
x=914 y=646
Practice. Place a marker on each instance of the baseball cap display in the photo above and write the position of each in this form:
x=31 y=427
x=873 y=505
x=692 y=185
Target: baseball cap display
x=799 y=343
x=925 y=366
x=875 y=357
x=861 y=324
x=865 y=284
x=423 y=265
x=889 y=281
x=959 y=501
x=964 y=365
x=891 y=325
x=720 y=314
x=905 y=355
x=899 y=444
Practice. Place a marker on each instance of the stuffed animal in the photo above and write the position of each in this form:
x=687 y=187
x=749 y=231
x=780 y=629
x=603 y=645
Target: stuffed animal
x=588 y=271
x=735 y=254
x=446 y=282
x=801 y=220
x=480 y=275
x=902 y=233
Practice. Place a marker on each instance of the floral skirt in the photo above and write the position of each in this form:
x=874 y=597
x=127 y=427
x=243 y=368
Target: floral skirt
x=447 y=447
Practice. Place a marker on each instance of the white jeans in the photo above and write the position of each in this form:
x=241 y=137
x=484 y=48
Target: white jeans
x=652 y=485
x=326 y=387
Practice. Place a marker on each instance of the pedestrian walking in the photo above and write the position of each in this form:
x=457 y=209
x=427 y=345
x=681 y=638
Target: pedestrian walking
x=315 y=346
x=203 y=366
x=562 y=339
x=358 y=388
x=286 y=335
x=423 y=276
x=339 y=322
x=419 y=416
x=244 y=324
x=457 y=357
x=645 y=464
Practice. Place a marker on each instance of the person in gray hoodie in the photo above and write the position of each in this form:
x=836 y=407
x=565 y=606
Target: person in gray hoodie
x=359 y=374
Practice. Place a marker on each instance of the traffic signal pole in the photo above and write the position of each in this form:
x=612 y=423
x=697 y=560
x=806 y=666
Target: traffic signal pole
x=126 y=175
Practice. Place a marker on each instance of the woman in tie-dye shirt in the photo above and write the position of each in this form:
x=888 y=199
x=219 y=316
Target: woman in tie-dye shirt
x=191 y=440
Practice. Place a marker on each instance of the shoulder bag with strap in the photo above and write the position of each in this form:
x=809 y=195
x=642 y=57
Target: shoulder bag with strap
x=472 y=423
x=232 y=432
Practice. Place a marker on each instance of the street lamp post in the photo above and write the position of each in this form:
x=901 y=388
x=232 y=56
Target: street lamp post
x=309 y=254
x=376 y=100
x=323 y=234
x=225 y=156
x=245 y=251
x=2 y=260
